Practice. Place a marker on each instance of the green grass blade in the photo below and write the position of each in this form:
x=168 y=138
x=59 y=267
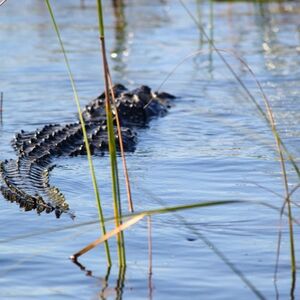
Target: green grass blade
x=89 y=156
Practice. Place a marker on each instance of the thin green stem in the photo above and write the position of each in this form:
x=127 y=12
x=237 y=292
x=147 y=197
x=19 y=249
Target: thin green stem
x=85 y=137
x=111 y=142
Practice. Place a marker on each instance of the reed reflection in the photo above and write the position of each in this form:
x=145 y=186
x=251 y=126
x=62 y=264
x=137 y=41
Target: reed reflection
x=120 y=49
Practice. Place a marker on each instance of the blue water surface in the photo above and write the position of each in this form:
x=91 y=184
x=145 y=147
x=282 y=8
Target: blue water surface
x=213 y=145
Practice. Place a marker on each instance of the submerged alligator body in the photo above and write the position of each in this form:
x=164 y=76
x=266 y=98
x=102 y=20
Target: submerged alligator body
x=25 y=180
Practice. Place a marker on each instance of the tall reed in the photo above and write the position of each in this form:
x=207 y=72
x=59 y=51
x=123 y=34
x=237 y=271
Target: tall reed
x=111 y=140
x=86 y=142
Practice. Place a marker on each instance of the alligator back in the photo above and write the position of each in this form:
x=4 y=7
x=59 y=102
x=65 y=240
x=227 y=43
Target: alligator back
x=25 y=180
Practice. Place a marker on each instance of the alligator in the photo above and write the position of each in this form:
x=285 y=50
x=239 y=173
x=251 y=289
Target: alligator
x=25 y=180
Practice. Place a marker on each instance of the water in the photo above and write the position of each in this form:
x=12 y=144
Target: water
x=213 y=145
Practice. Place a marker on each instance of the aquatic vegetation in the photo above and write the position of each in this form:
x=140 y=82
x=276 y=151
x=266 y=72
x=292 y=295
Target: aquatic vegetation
x=269 y=118
x=107 y=114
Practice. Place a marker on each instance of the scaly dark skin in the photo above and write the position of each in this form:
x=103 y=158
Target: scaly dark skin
x=26 y=179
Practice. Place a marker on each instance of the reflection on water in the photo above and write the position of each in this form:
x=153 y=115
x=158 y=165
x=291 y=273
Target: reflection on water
x=1 y=108
x=108 y=290
x=121 y=49
x=211 y=146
